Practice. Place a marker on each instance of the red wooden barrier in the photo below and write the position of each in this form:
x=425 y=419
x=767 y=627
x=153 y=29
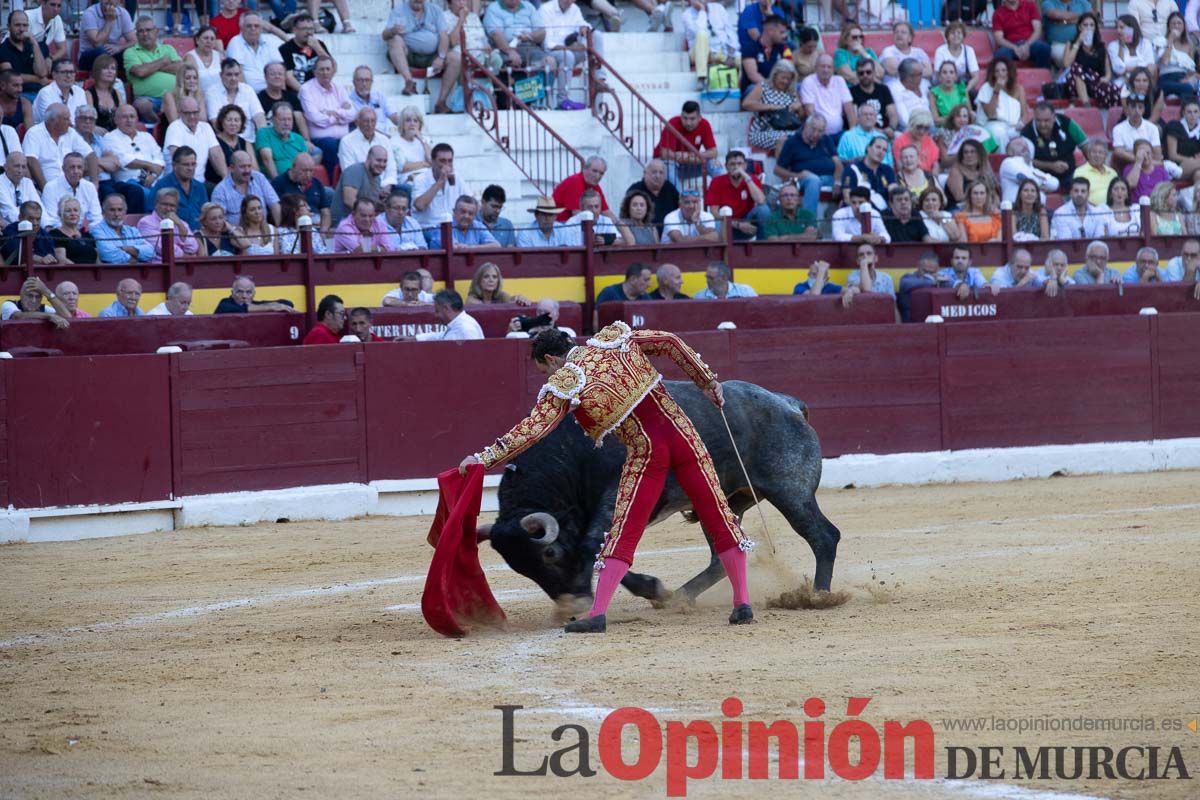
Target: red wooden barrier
x=147 y=334
x=1177 y=378
x=757 y=312
x=396 y=321
x=1072 y=301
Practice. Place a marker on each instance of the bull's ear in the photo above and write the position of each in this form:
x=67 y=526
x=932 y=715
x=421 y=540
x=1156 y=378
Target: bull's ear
x=483 y=532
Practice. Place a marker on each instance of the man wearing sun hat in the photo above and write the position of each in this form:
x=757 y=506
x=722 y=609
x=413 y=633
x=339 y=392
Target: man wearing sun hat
x=547 y=232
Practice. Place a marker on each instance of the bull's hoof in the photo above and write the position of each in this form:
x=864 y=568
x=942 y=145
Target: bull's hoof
x=662 y=595
x=596 y=624
x=742 y=615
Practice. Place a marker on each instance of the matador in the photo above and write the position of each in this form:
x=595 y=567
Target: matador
x=611 y=387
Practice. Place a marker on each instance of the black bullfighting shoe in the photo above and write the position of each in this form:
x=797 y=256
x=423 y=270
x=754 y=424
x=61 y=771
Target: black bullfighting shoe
x=596 y=624
x=742 y=615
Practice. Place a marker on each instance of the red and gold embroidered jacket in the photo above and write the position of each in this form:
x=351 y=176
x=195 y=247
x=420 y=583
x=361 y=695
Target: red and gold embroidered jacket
x=601 y=383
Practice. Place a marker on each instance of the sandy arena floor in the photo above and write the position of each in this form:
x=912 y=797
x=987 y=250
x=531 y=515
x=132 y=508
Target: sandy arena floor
x=292 y=661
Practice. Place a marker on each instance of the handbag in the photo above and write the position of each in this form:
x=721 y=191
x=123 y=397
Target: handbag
x=783 y=120
x=722 y=76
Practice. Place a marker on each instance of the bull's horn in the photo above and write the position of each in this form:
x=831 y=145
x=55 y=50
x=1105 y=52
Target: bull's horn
x=483 y=532
x=543 y=523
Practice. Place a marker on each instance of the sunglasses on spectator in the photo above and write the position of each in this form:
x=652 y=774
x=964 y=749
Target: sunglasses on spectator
x=854 y=36
x=689 y=193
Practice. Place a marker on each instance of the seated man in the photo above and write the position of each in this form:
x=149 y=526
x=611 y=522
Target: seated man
x=278 y=91
x=828 y=95
x=360 y=325
x=63 y=89
x=1098 y=174
x=361 y=181
x=911 y=93
x=514 y=30
x=435 y=190
x=490 y=207
x=129 y=294
x=1135 y=126
x=670 y=284
x=604 y=223
x=961 y=276
x=177 y=304
x=47 y=142
x=467 y=231
x=1095 y=269
x=759 y=57
x=417 y=36
x=1184 y=267
x=409 y=293
x=355 y=145
x=872 y=172
x=363 y=94
x=69 y=293
x=854 y=142
x=902 y=225
x=406 y=233
x=546 y=232
x=151 y=66
x=331 y=321
x=16 y=187
x=867 y=277
x=565 y=27
x=1019 y=166
x=743 y=193
x=683 y=164
x=29 y=305
x=663 y=193
x=448 y=310
x=12 y=243
x=818 y=281
x=278 y=144
x=243 y=179
x=300 y=53
x=870 y=91
x=1017 y=272
x=362 y=232
x=182 y=180
x=116 y=242
x=254 y=51
x=927 y=274
x=299 y=180
x=1054 y=274
x=570 y=190
x=327 y=109
x=637 y=281
x=789 y=222
x=1053 y=146
x=1144 y=268
x=233 y=91
x=241 y=299
x=20 y=53
x=1077 y=218
x=808 y=157
x=847 y=220
x=47 y=29
x=71 y=184
x=191 y=131
x=105 y=27
x=690 y=222
x=140 y=158
x=718 y=276
x=166 y=206
x=1017 y=29
x=547 y=307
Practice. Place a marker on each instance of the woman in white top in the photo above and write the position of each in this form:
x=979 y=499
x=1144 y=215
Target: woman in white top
x=1177 y=64
x=1001 y=102
x=207 y=58
x=938 y=221
x=411 y=152
x=963 y=55
x=254 y=236
x=291 y=208
x=1119 y=218
x=1130 y=49
x=900 y=49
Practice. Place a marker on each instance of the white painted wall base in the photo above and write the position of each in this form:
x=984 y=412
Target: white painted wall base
x=419 y=497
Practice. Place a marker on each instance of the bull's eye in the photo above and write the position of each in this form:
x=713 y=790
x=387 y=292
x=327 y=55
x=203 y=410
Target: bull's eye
x=552 y=554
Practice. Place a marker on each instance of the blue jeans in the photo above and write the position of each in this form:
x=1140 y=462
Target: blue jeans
x=690 y=172
x=281 y=8
x=759 y=216
x=329 y=153
x=1039 y=53
x=810 y=190
x=139 y=199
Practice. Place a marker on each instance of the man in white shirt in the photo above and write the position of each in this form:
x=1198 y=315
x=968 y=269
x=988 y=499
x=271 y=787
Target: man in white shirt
x=409 y=293
x=828 y=95
x=355 y=145
x=71 y=184
x=61 y=89
x=139 y=156
x=1017 y=272
x=448 y=309
x=690 y=222
x=435 y=191
x=912 y=93
x=1135 y=126
x=1018 y=167
x=48 y=143
x=1077 y=218
x=867 y=277
x=253 y=51
x=16 y=188
x=564 y=25
x=604 y=229
x=46 y=27
x=177 y=304
x=720 y=286
x=192 y=131
x=847 y=220
x=233 y=91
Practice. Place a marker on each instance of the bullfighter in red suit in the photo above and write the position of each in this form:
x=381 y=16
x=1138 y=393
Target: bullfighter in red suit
x=611 y=387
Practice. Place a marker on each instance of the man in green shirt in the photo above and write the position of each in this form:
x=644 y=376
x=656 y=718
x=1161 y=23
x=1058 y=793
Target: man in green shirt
x=278 y=145
x=151 y=67
x=789 y=221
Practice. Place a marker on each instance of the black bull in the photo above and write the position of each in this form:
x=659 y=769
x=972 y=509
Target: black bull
x=557 y=498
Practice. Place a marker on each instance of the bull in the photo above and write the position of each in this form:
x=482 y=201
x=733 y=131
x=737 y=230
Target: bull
x=557 y=498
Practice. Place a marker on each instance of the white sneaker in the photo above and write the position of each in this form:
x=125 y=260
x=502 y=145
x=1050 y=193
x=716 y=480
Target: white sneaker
x=656 y=20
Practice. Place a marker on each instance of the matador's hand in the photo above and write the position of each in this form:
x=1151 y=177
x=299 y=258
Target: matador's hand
x=716 y=394
x=466 y=462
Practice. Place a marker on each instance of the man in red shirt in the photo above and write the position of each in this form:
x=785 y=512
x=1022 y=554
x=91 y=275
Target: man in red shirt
x=1017 y=26
x=568 y=193
x=681 y=163
x=331 y=319
x=742 y=192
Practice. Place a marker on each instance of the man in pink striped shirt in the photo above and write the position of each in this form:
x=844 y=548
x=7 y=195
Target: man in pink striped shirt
x=327 y=110
x=362 y=231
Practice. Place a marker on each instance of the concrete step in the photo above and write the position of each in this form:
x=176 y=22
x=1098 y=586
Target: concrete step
x=618 y=44
x=648 y=61
x=658 y=82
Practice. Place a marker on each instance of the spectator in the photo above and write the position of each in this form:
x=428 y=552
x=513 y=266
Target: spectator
x=901 y=224
x=869 y=91
x=1089 y=71
x=466 y=229
x=743 y=194
x=957 y=52
x=1098 y=175
x=16 y=187
x=720 y=286
x=1062 y=24
x=564 y=26
x=926 y=275
x=1144 y=268
x=417 y=36
x=363 y=95
x=48 y=143
x=1177 y=60
x=1182 y=267
x=206 y=57
x=663 y=194
x=776 y=105
x=1016 y=272
x=166 y=206
x=293 y=208
x=1019 y=167
x=354 y=147
x=1054 y=274
x=703 y=16
x=129 y=294
x=818 y=281
x=277 y=91
x=1017 y=29
x=910 y=175
x=1183 y=139
x=1077 y=218
x=808 y=158
x=20 y=53
x=853 y=143
x=413 y=155
x=499 y=227
x=72 y=244
x=487 y=286
x=971 y=165
x=1144 y=174
x=241 y=299
x=939 y=223
x=363 y=181
x=960 y=275
x=409 y=293
x=760 y=57
x=670 y=284
x=227 y=22
x=1165 y=219
x=434 y=192
x=1134 y=127
x=546 y=307
x=682 y=164
x=278 y=145
x=106 y=92
x=752 y=19
x=847 y=220
x=116 y=242
x=299 y=180
x=254 y=51
x=1053 y=147
x=828 y=95
x=949 y=95
x=177 y=304
x=69 y=293
x=867 y=274
x=606 y=228
x=1119 y=218
x=243 y=180
x=106 y=162
x=151 y=67
x=233 y=92
x=807 y=51
x=1129 y=50
x=690 y=222
x=191 y=195
x=231 y=122
x=911 y=93
x=789 y=222
x=917 y=134
x=139 y=158
x=546 y=232
x=637 y=281
x=29 y=305
x=362 y=231
x=11 y=240
x=1095 y=269
x=46 y=28
x=900 y=49
x=15 y=109
x=213 y=234
x=870 y=171
x=62 y=89
x=331 y=322
x=1030 y=222
x=448 y=310
x=191 y=131
x=637 y=215
x=406 y=233
x=514 y=30
x=328 y=111
x=360 y=325
x=569 y=192
x=1152 y=16
x=979 y=219
x=851 y=51
x=1001 y=100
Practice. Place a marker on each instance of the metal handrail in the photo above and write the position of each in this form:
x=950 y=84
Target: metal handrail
x=612 y=116
x=542 y=156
